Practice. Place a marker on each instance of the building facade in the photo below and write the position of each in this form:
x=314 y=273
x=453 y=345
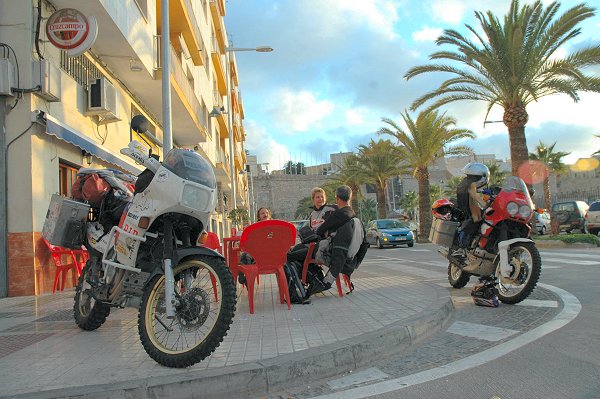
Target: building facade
x=74 y=111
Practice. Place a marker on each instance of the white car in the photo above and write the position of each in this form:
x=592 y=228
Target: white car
x=542 y=222
x=592 y=218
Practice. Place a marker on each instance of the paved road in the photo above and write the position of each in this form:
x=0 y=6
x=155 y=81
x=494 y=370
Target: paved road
x=546 y=347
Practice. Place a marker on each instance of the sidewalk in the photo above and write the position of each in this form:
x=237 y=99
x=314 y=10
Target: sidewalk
x=44 y=354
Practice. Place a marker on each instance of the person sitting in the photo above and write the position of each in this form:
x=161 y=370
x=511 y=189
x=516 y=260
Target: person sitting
x=470 y=202
x=263 y=214
x=337 y=229
x=321 y=211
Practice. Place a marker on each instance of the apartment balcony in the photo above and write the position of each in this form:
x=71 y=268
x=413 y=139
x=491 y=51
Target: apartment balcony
x=240 y=157
x=183 y=21
x=185 y=107
x=240 y=103
x=237 y=129
x=217 y=11
x=220 y=63
x=222 y=169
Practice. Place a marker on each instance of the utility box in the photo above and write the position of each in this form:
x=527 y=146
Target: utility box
x=442 y=232
x=48 y=77
x=65 y=222
x=7 y=77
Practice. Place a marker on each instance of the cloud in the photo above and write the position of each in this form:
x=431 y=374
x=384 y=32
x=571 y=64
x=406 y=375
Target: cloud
x=427 y=34
x=355 y=116
x=300 y=111
x=380 y=15
x=260 y=143
x=450 y=11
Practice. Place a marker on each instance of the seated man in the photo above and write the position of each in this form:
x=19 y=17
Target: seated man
x=470 y=202
x=337 y=227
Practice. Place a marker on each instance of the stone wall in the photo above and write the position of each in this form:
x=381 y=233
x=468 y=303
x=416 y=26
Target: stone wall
x=281 y=193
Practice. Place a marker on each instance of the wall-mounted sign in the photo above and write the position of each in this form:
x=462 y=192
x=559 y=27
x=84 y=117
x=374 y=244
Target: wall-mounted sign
x=70 y=30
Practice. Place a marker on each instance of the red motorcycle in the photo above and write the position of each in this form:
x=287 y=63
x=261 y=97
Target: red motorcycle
x=502 y=255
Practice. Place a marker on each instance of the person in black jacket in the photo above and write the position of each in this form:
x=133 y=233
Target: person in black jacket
x=337 y=227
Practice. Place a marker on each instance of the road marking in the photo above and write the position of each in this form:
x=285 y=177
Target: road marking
x=571 y=261
x=538 y=303
x=571 y=309
x=480 y=331
x=368 y=375
x=569 y=254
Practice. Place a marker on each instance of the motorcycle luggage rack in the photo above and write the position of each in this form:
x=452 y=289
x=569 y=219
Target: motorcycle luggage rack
x=112 y=262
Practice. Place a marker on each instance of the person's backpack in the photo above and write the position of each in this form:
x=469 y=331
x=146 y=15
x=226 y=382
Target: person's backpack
x=296 y=289
x=358 y=236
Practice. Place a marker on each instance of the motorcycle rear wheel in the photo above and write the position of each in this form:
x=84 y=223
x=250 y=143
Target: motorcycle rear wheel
x=202 y=317
x=528 y=257
x=89 y=314
x=456 y=277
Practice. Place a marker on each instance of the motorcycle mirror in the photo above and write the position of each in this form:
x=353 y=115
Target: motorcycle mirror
x=139 y=124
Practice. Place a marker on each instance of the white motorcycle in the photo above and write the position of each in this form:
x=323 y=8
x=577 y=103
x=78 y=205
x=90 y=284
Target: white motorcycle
x=148 y=257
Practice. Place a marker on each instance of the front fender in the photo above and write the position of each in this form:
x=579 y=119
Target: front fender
x=503 y=251
x=182 y=253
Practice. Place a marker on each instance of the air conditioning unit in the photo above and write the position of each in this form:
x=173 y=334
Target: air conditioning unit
x=47 y=76
x=103 y=100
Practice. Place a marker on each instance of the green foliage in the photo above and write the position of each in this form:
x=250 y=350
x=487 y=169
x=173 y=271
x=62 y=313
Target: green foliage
x=572 y=238
x=291 y=168
x=304 y=208
x=409 y=203
x=451 y=186
x=496 y=175
x=239 y=217
x=367 y=210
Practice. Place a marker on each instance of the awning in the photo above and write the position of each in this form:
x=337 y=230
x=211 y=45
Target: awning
x=65 y=133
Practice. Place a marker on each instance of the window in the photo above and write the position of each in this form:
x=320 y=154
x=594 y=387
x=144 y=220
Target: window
x=66 y=177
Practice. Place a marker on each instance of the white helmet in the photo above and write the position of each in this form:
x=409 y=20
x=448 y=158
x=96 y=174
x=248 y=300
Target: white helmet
x=477 y=169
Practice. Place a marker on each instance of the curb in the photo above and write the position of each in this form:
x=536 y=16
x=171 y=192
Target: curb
x=271 y=375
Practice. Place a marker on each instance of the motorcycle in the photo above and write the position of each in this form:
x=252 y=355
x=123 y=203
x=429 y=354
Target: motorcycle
x=502 y=255
x=144 y=254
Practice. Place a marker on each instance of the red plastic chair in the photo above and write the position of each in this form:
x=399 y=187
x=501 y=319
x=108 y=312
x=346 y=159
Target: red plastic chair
x=268 y=243
x=70 y=262
x=212 y=242
x=309 y=259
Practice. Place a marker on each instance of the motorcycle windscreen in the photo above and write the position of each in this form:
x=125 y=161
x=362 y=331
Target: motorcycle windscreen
x=516 y=184
x=191 y=166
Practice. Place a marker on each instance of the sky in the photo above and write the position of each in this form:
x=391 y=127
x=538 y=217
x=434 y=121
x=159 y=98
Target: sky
x=337 y=68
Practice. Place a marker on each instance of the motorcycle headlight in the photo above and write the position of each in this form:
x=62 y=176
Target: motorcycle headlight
x=512 y=208
x=524 y=211
x=195 y=197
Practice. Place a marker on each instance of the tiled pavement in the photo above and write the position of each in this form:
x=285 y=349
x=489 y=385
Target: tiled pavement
x=44 y=354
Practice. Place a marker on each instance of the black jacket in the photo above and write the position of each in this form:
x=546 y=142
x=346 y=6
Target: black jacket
x=335 y=220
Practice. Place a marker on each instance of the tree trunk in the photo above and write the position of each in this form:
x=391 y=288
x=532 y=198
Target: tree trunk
x=381 y=214
x=547 y=196
x=515 y=118
x=422 y=175
x=354 y=200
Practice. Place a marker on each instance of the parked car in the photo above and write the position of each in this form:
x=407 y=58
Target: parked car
x=592 y=218
x=542 y=222
x=382 y=232
x=570 y=215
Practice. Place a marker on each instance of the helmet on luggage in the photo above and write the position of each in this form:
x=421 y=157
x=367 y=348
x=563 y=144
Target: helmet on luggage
x=441 y=209
x=479 y=170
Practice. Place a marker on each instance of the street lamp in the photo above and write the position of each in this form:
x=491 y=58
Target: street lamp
x=260 y=49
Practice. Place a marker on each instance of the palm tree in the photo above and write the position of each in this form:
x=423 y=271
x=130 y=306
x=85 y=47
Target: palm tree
x=410 y=202
x=379 y=161
x=367 y=210
x=514 y=63
x=424 y=141
x=351 y=174
x=451 y=186
x=496 y=175
x=554 y=163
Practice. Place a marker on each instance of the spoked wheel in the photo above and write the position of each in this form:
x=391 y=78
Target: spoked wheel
x=525 y=260
x=456 y=277
x=89 y=314
x=206 y=304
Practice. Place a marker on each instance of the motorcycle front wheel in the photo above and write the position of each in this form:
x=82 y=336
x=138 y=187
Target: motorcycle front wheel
x=206 y=305
x=525 y=259
x=456 y=277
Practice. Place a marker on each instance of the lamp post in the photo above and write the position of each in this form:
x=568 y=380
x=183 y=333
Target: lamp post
x=261 y=49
